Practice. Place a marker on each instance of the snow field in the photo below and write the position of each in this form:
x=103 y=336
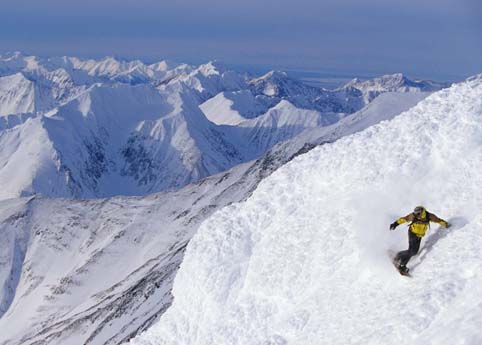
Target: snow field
x=303 y=261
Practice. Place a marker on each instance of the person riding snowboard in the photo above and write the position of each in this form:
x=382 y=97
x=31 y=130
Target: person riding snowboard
x=420 y=220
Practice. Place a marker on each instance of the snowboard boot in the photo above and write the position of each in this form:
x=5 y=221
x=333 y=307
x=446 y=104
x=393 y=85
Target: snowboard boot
x=403 y=269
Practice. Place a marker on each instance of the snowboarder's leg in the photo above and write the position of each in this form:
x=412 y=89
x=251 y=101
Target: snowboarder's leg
x=413 y=247
x=402 y=256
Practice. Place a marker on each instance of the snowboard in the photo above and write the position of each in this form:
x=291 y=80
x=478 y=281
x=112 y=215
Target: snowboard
x=392 y=255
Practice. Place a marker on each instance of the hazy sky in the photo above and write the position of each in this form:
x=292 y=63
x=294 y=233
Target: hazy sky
x=427 y=38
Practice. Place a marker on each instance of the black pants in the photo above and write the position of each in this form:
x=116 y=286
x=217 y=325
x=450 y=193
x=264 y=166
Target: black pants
x=413 y=247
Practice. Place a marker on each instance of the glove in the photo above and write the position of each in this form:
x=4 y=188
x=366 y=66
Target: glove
x=446 y=225
x=393 y=226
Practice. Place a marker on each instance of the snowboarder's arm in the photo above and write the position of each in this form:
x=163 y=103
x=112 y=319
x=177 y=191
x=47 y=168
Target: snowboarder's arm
x=402 y=220
x=435 y=219
x=405 y=219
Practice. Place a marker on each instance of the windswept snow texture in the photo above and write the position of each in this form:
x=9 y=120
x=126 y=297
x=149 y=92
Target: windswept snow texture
x=303 y=260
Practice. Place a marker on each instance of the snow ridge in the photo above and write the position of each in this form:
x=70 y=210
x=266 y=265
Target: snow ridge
x=392 y=83
x=303 y=261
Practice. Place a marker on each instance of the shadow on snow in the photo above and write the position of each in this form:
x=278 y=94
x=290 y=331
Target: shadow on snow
x=437 y=235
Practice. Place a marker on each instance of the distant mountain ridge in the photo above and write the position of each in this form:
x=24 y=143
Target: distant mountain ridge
x=108 y=127
x=393 y=83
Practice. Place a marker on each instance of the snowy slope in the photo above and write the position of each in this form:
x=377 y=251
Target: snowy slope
x=233 y=107
x=384 y=107
x=49 y=298
x=287 y=119
x=16 y=95
x=100 y=271
x=303 y=261
x=29 y=162
x=97 y=271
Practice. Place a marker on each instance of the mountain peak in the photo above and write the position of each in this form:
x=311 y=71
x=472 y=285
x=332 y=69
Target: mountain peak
x=212 y=67
x=396 y=82
x=396 y=78
x=163 y=65
x=272 y=75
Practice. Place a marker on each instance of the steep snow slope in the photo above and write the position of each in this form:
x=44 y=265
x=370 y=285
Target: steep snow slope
x=16 y=95
x=303 y=261
x=29 y=162
x=233 y=107
x=287 y=119
x=63 y=305
x=97 y=271
x=384 y=107
x=101 y=271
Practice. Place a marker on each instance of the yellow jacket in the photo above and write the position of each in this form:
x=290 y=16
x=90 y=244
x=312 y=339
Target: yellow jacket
x=421 y=223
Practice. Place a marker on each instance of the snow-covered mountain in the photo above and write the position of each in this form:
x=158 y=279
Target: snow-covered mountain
x=119 y=139
x=100 y=271
x=210 y=79
x=234 y=107
x=96 y=128
x=279 y=85
x=16 y=95
x=19 y=94
x=90 y=71
x=304 y=259
x=392 y=83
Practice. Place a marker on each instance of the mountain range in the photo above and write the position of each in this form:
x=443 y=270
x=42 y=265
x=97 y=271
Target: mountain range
x=78 y=128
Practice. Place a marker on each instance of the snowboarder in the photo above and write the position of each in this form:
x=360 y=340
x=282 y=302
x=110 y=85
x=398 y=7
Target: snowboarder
x=420 y=220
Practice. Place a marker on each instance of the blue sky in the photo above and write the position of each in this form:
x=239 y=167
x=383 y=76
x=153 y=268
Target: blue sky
x=438 y=39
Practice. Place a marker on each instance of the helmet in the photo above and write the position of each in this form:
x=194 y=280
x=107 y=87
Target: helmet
x=418 y=210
